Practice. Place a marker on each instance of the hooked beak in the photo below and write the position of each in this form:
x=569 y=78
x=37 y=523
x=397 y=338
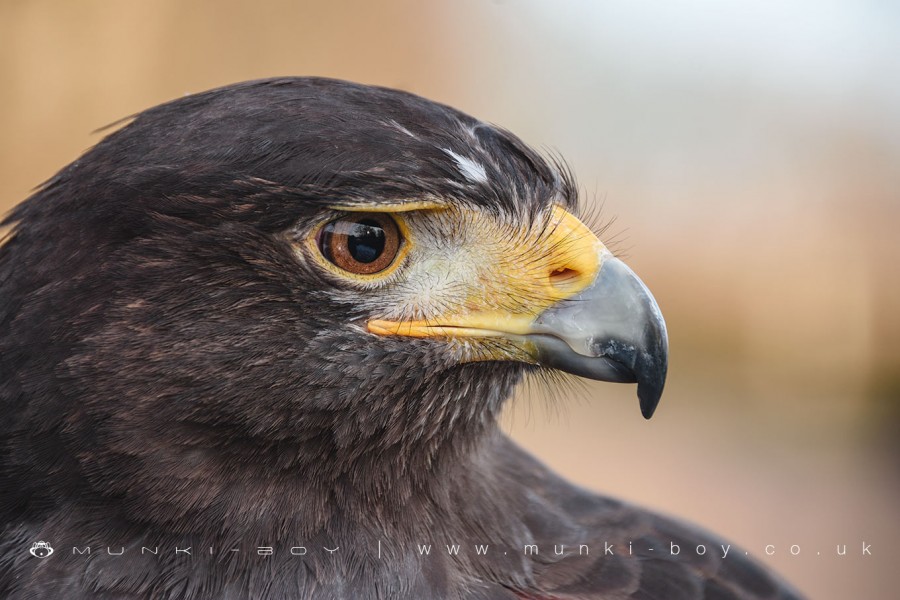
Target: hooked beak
x=611 y=331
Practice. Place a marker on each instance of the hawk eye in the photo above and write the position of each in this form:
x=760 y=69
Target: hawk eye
x=361 y=243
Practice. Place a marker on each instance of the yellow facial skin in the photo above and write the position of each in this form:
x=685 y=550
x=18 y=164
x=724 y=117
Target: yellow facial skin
x=512 y=276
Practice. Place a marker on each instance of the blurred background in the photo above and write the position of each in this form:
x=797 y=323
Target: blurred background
x=749 y=153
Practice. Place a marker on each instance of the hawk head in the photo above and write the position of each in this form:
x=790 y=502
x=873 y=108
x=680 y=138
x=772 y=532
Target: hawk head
x=297 y=292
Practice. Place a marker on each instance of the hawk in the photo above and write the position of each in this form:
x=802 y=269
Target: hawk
x=254 y=344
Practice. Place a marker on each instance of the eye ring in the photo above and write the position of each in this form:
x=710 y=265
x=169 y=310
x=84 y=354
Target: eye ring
x=360 y=243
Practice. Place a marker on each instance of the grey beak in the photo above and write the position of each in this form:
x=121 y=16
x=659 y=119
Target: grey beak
x=611 y=331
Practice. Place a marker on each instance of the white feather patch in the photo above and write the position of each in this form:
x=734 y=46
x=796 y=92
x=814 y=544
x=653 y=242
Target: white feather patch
x=471 y=170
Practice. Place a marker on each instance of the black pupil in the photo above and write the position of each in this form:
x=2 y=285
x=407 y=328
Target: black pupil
x=365 y=241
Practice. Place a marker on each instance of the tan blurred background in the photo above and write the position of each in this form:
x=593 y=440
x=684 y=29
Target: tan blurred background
x=749 y=151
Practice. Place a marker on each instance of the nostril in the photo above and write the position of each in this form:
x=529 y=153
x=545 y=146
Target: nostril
x=564 y=277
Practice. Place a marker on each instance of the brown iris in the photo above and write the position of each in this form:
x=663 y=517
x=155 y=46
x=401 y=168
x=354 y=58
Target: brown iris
x=361 y=243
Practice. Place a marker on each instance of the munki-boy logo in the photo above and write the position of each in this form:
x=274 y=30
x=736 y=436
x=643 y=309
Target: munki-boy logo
x=41 y=549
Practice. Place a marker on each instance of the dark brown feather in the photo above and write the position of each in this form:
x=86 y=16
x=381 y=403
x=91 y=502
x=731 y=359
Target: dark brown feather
x=172 y=376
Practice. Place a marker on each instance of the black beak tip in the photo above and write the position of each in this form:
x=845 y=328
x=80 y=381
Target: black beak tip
x=649 y=392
